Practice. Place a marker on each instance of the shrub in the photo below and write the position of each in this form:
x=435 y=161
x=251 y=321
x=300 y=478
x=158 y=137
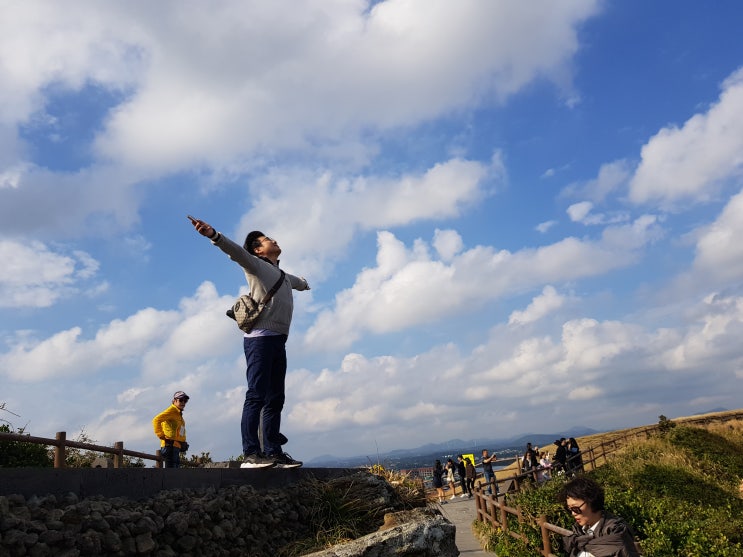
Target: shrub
x=664 y=424
x=679 y=492
x=17 y=454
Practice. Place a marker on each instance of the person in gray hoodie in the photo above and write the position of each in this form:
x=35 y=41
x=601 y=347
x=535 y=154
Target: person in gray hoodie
x=264 y=345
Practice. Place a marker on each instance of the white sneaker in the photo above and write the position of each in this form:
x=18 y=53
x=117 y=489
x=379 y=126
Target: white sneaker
x=257 y=460
x=453 y=497
x=463 y=495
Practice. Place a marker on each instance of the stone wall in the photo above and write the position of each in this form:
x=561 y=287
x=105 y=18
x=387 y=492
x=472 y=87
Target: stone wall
x=232 y=520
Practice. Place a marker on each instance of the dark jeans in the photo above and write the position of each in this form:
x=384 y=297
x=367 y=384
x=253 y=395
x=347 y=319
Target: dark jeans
x=266 y=373
x=171 y=456
x=488 y=477
x=464 y=484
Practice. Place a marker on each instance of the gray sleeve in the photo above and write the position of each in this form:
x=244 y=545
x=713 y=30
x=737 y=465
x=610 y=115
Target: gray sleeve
x=298 y=283
x=237 y=253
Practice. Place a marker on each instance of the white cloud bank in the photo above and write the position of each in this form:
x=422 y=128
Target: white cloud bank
x=410 y=286
x=693 y=162
x=324 y=80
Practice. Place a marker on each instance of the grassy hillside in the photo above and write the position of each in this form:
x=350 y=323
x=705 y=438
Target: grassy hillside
x=681 y=490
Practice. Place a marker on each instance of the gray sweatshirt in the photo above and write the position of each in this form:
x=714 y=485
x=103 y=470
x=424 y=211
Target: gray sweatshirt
x=261 y=276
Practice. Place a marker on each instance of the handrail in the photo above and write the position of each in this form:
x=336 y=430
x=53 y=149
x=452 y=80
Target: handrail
x=490 y=510
x=60 y=443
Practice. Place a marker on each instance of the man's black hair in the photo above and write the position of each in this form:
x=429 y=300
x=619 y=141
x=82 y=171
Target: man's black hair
x=251 y=241
x=585 y=489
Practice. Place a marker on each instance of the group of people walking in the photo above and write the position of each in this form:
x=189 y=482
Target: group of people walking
x=540 y=466
x=465 y=473
x=537 y=464
x=568 y=456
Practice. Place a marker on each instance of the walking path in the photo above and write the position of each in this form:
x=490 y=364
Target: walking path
x=461 y=512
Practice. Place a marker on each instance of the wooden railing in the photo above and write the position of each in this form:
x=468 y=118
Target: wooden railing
x=60 y=443
x=600 y=453
x=491 y=510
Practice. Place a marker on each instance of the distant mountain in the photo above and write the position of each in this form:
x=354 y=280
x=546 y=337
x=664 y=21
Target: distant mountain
x=426 y=454
x=545 y=440
x=713 y=411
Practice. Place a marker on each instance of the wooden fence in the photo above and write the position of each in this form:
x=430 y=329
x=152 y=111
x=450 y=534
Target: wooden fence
x=60 y=444
x=492 y=510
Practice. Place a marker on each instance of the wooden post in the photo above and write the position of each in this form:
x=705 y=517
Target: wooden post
x=593 y=458
x=546 y=546
x=503 y=518
x=493 y=509
x=159 y=461
x=119 y=455
x=59 y=450
x=478 y=502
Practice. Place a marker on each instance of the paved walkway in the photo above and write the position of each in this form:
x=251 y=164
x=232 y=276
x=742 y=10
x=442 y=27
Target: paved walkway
x=461 y=512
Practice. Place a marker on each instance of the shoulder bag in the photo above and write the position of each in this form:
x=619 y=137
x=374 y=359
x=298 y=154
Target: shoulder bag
x=245 y=311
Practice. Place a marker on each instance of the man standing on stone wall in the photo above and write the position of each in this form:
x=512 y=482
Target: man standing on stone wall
x=264 y=345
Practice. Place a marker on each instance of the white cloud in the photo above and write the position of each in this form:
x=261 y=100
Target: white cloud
x=513 y=379
x=612 y=177
x=713 y=339
x=321 y=75
x=545 y=226
x=32 y=275
x=611 y=367
x=719 y=250
x=692 y=162
x=157 y=342
x=10 y=178
x=96 y=201
x=548 y=301
x=406 y=286
x=578 y=211
x=581 y=212
x=585 y=392
x=277 y=75
x=303 y=211
x=589 y=345
x=325 y=80
x=447 y=243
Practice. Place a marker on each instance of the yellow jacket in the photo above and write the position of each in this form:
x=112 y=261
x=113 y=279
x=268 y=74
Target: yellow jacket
x=169 y=424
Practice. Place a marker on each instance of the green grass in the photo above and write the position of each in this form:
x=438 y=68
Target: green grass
x=680 y=491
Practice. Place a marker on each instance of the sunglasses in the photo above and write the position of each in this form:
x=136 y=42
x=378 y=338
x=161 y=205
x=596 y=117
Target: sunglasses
x=577 y=510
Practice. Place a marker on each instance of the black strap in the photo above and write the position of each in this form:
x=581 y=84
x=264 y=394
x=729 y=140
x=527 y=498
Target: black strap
x=273 y=290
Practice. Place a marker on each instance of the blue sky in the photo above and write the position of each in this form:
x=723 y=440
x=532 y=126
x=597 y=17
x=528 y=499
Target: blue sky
x=515 y=217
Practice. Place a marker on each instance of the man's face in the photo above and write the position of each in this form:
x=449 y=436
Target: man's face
x=180 y=403
x=268 y=247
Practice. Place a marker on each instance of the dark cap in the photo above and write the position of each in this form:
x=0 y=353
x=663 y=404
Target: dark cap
x=250 y=240
x=180 y=395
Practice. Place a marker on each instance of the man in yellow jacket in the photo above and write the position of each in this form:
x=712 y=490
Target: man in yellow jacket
x=170 y=428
